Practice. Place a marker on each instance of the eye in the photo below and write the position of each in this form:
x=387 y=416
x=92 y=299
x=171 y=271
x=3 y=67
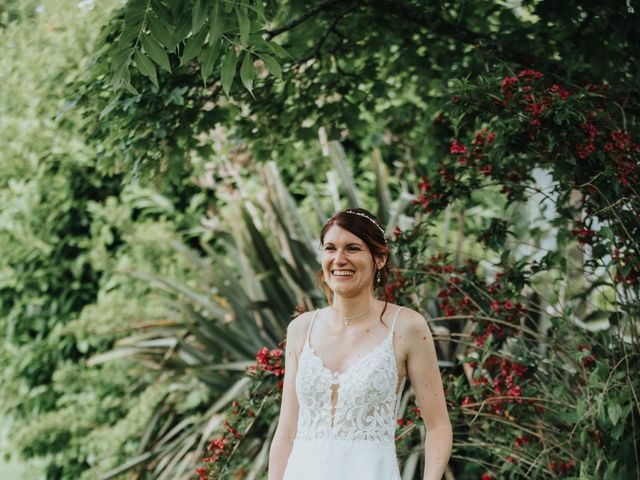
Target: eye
x=327 y=248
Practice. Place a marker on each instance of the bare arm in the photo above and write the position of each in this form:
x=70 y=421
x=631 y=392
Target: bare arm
x=424 y=374
x=288 y=420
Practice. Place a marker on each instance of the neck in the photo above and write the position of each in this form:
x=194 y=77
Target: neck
x=351 y=306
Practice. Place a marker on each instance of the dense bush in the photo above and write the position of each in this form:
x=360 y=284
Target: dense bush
x=68 y=235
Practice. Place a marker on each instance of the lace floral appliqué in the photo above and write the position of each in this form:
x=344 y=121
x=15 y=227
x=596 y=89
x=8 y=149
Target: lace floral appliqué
x=366 y=405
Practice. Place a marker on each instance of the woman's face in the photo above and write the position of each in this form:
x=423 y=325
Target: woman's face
x=347 y=264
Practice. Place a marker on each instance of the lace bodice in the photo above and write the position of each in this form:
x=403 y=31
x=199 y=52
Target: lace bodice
x=358 y=404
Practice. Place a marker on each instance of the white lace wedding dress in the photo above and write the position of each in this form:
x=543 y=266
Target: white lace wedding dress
x=356 y=442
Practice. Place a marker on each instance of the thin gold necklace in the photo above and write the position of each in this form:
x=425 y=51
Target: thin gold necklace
x=346 y=319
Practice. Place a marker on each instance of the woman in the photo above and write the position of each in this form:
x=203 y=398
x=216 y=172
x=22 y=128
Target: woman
x=346 y=365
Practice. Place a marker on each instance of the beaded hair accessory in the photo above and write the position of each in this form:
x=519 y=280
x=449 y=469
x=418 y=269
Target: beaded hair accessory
x=368 y=218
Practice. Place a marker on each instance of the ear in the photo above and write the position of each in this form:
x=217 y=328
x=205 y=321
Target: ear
x=381 y=261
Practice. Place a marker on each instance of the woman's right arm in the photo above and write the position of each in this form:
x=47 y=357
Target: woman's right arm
x=288 y=421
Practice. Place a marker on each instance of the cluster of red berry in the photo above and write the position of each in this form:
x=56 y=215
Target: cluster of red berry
x=500 y=383
x=269 y=361
x=426 y=197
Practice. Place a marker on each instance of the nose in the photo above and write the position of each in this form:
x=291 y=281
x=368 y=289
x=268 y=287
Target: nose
x=339 y=257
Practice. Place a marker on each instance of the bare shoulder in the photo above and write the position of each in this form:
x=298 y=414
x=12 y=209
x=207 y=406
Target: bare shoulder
x=413 y=329
x=297 y=331
x=411 y=322
x=300 y=323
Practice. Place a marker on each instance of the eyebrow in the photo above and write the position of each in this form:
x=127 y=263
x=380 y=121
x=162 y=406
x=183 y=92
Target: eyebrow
x=348 y=244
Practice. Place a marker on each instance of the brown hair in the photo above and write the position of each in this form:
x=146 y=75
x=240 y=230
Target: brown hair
x=370 y=233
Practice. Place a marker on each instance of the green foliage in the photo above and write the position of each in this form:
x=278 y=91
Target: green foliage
x=46 y=277
x=348 y=67
x=68 y=235
x=130 y=314
x=162 y=30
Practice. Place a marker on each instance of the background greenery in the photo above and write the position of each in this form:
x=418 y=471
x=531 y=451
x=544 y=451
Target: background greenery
x=165 y=169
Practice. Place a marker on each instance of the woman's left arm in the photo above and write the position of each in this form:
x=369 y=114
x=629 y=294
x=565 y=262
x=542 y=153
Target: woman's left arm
x=424 y=374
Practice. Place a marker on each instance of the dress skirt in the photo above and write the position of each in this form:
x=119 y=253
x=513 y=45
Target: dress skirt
x=342 y=460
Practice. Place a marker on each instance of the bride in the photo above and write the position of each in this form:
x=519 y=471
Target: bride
x=345 y=368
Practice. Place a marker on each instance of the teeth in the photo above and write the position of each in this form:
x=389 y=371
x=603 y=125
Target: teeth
x=344 y=273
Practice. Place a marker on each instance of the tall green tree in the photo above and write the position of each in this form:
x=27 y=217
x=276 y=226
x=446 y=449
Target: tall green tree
x=348 y=66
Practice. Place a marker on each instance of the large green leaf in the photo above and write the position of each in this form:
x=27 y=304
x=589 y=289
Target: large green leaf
x=228 y=70
x=193 y=46
x=209 y=59
x=244 y=24
x=161 y=32
x=247 y=72
x=272 y=65
x=198 y=15
x=146 y=66
x=155 y=51
x=216 y=25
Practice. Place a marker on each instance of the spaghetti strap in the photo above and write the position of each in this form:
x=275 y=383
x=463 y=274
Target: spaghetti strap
x=311 y=325
x=394 y=320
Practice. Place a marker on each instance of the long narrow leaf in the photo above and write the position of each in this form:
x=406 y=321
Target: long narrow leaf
x=382 y=186
x=128 y=465
x=188 y=292
x=339 y=160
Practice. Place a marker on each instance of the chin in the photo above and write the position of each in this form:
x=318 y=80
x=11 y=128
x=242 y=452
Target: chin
x=344 y=289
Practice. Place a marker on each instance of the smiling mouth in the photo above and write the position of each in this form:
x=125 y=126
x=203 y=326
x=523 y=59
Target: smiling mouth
x=342 y=273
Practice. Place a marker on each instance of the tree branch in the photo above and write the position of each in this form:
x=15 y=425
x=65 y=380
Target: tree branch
x=303 y=18
x=436 y=24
